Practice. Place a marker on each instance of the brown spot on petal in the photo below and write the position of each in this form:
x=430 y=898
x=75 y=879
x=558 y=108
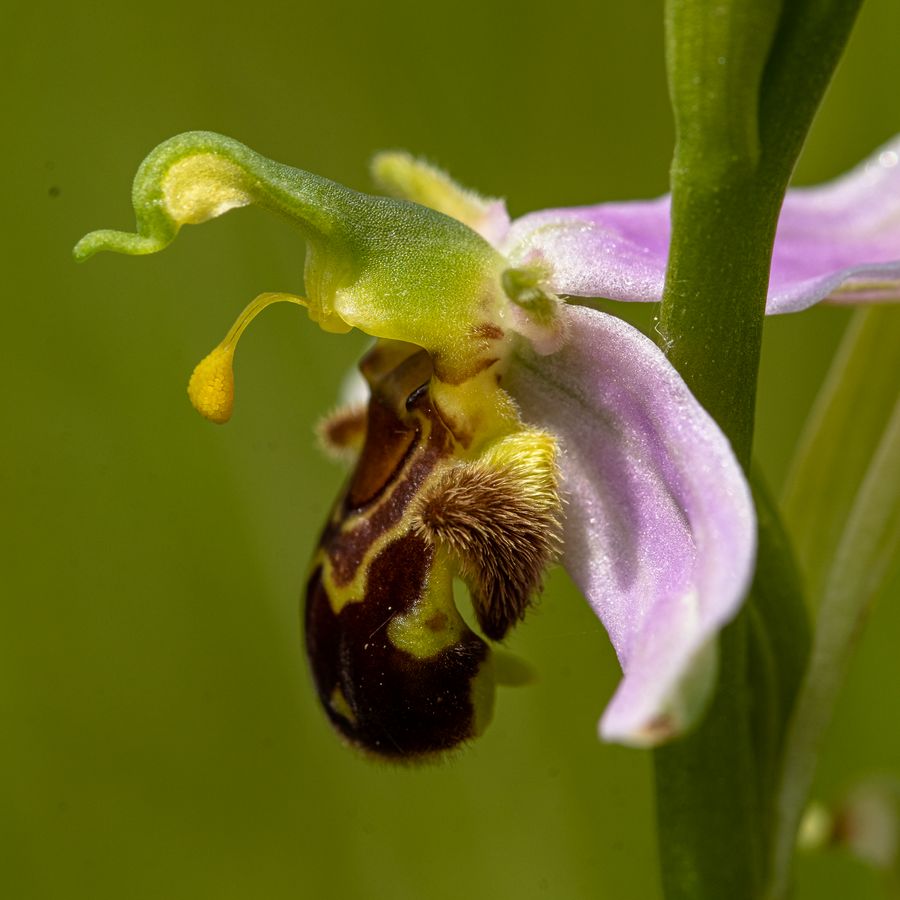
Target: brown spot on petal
x=659 y=729
x=437 y=622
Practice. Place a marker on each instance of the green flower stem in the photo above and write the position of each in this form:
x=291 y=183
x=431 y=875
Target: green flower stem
x=745 y=77
x=713 y=818
x=712 y=311
x=745 y=83
x=709 y=816
x=862 y=559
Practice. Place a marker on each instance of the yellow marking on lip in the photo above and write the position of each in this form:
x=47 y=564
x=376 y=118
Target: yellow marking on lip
x=354 y=591
x=432 y=624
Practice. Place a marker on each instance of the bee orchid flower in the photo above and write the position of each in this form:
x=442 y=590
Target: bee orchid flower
x=506 y=427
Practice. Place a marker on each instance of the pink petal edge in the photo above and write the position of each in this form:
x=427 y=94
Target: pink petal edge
x=838 y=241
x=660 y=531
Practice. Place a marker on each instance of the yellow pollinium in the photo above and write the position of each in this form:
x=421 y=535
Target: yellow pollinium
x=211 y=387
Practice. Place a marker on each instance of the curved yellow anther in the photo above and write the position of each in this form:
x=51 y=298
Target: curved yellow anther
x=211 y=387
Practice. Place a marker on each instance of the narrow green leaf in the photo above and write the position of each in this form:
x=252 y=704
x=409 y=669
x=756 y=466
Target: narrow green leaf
x=841 y=434
x=776 y=604
x=868 y=550
x=809 y=42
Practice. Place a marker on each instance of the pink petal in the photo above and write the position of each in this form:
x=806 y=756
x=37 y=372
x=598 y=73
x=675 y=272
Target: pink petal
x=660 y=530
x=839 y=241
x=615 y=250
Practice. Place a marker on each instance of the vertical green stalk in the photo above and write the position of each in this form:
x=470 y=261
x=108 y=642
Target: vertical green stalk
x=723 y=225
x=745 y=78
x=713 y=307
x=708 y=814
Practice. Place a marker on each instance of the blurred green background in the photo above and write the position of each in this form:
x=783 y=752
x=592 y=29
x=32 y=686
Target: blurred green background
x=161 y=738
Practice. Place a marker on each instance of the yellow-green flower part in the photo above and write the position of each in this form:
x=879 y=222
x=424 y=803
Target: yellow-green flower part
x=448 y=482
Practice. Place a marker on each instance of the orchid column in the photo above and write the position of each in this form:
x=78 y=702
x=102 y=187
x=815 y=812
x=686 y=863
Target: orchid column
x=746 y=77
